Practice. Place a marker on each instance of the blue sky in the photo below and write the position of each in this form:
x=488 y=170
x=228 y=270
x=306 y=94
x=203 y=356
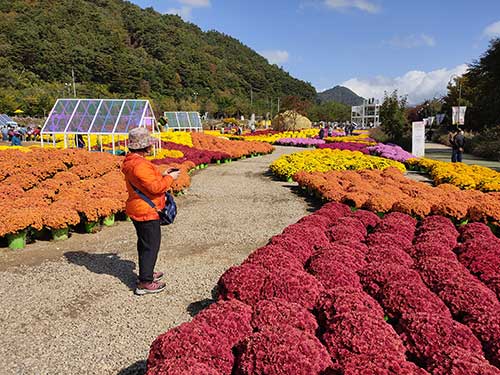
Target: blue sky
x=368 y=45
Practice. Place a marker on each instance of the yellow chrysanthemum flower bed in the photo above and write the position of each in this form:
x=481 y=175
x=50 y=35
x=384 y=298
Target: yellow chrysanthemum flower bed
x=162 y=154
x=272 y=138
x=361 y=138
x=325 y=160
x=19 y=148
x=182 y=138
x=467 y=177
x=95 y=140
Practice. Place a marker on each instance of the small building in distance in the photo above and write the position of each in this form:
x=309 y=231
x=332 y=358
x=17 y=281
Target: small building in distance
x=366 y=115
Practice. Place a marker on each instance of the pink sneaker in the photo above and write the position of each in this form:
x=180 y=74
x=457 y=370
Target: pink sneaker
x=157 y=276
x=149 y=288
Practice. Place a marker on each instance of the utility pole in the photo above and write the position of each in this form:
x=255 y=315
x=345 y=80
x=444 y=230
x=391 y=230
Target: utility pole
x=278 y=105
x=251 y=98
x=459 y=84
x=459 y=92
x=74 y=85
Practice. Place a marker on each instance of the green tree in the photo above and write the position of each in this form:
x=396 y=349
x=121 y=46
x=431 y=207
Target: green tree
x=393 y=116
x=118 y=49
x=479 y=90
x=483 y=81
x=329 y=111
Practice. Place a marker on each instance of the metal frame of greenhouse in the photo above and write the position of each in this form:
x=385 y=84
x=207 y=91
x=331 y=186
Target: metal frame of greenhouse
x=183 y=121
x=6 y=121
x=109 y=117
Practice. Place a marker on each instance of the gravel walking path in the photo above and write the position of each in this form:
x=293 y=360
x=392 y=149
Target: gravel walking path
x=68 y=308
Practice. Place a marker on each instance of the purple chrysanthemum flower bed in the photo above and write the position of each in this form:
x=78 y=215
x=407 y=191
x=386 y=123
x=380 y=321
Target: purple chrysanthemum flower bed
x=391 y=151
x=300 y=142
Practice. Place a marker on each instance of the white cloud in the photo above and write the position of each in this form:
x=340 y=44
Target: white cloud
x=183 y=12
x=195 y=3
x=186 y=7
x=492 y=30
x=412 y=41
x=276 y=56
x=418 y=85
x=364 y=5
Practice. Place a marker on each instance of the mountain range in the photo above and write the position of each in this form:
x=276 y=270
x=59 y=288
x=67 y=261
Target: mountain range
x=340 y=94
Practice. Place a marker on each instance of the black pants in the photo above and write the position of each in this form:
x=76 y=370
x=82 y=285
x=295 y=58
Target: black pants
x=148 y=246
x=456 y=155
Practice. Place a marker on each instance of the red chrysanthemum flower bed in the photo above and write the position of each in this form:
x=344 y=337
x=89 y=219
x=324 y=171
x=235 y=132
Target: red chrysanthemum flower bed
x=278 y=312
x=349 y=293
x=274 y=351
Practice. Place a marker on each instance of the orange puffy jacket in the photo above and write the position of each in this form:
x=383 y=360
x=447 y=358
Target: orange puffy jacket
x=146 y=177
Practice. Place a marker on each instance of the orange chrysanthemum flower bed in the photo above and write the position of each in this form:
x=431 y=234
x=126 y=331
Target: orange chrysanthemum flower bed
x=390 y=190
x=54 y=189
x=236 y=149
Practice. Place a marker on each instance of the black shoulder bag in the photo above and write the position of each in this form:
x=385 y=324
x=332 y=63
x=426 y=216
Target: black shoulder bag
x=168 y=214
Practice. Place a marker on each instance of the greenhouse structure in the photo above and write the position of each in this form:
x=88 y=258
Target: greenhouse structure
x=6 y=121
x=101 y=119
x=187 y=121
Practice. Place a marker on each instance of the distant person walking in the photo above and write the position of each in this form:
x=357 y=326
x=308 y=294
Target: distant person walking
x=321 y=132
x=144 y=176
x=451 y=141
x=80 y=142
x=457 y=145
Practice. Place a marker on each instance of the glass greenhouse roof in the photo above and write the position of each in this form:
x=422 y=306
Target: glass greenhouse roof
x=99 y=116
x=5 y=120
x=183 y=120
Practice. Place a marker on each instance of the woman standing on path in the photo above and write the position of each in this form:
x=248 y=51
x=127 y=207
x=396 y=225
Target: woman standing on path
x=144 y=176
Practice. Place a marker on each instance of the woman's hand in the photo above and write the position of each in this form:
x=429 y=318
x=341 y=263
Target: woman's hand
x=175 y=175
x=172 y=172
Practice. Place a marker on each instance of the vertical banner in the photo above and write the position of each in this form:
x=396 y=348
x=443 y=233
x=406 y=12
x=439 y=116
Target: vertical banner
x=458 y=115
x=418 y=139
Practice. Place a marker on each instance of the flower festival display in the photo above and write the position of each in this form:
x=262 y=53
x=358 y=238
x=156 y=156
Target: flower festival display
x=467 y=177
x=389 y=295
x=325 y=160
x=389 y=190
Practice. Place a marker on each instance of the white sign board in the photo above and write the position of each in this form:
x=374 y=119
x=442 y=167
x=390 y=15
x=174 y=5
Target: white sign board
x=458 y=116
x=418 y=139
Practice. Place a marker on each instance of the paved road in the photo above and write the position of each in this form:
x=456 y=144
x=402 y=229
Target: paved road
x=441 y=152
x=68 y=308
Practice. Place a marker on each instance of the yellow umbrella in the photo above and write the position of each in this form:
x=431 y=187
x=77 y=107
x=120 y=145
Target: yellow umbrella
x=18 y=111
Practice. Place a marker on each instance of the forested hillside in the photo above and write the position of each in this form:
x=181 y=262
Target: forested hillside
x=120 y=50
x=340 y=94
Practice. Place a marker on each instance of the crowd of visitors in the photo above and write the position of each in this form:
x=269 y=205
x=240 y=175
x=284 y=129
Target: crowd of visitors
x=16 y=135
x=328 y=129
